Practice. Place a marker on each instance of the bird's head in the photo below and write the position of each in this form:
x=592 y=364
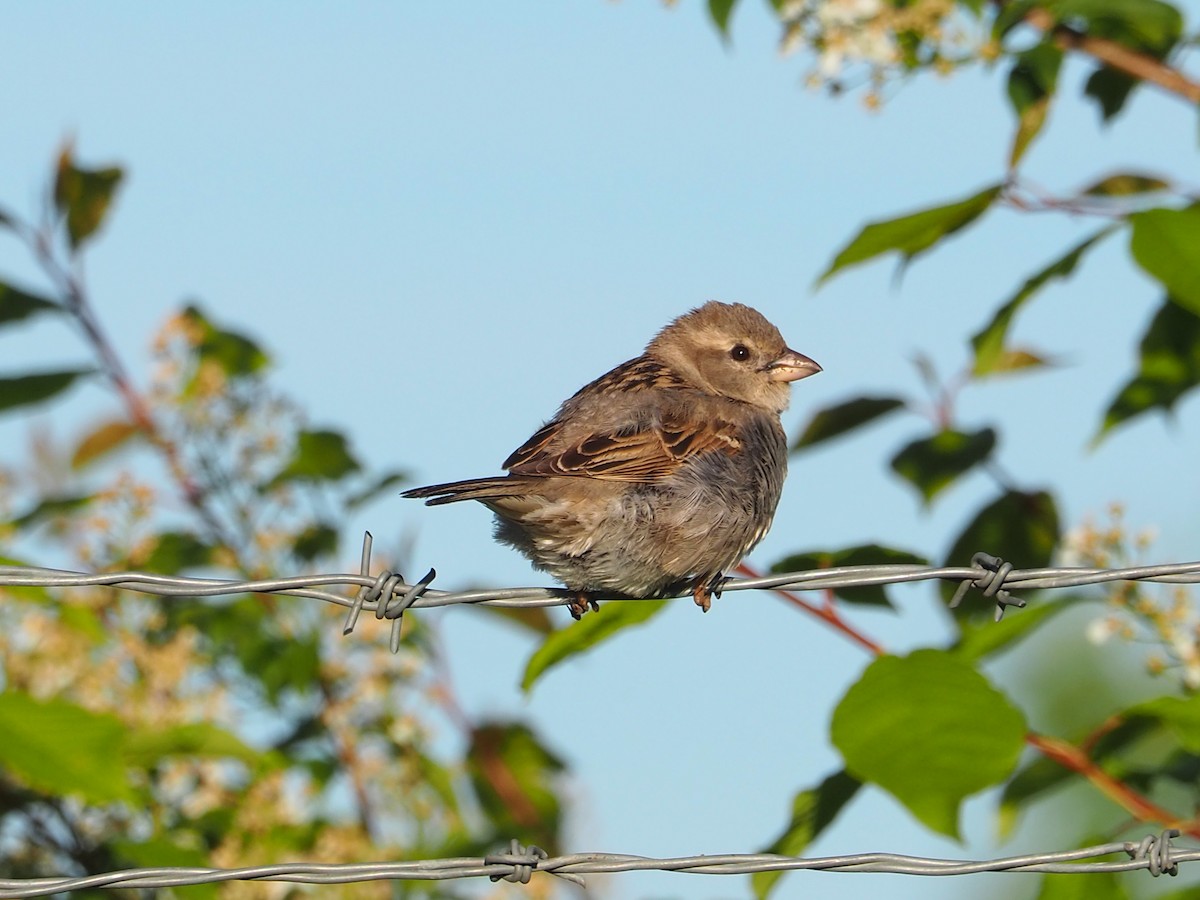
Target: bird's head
x=730 y=349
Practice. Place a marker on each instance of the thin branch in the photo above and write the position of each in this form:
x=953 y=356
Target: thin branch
x=75 y=300
x=1071 y=757
x=1142 y=66
x=827 y=613
x=347 y=754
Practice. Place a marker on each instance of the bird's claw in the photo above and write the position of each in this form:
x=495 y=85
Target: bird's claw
x=704 y=591
x=580 y=604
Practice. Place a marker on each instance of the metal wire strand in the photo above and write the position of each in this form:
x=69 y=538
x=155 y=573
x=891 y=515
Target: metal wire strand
x=387 y=595
x=1154 y=853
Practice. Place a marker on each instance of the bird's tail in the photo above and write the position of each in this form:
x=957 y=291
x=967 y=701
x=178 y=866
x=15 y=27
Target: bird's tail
x=482 y=489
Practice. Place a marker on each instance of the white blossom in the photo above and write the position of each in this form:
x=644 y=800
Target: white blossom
x=1099 y=631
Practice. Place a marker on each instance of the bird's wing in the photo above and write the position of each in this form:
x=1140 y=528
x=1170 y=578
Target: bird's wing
x=644 y=452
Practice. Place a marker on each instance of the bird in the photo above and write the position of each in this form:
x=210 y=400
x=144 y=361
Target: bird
x=660 y=475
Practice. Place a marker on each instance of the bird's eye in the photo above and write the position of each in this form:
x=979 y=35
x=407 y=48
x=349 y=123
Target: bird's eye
x=740 y=352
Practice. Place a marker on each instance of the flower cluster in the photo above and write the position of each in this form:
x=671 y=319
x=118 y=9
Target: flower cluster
x=1166 y=616
x=871 y=41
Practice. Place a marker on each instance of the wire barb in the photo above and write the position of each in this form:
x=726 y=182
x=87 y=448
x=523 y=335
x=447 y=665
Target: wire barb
x=1155 y=850
x=521 y=862
x=384 y=595
x=1154 y=853
x=993 y=572
x=389 y=596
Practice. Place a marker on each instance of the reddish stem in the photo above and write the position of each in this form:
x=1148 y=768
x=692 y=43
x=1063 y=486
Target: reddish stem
x=1071 y=757
x=1141 y=66
x=75 y=300
x=1065 y=754
x=827 y=613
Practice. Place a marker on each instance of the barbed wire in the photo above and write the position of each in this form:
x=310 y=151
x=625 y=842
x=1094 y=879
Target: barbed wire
x=1153 y=853
x=388 y=595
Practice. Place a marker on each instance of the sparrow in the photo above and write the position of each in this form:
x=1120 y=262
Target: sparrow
x=658 y=476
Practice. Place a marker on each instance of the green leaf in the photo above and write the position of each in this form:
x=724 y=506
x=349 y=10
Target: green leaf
x=513 y=776
x=318 y=539
x=1073 y=886
x=24 y=390
x=1125 y=184
x=319 y=456
x=1032 y=81
x=102 y=440
x=977 y=641
x=148 y=747
x=1146 y=26
x=1183 y=893
x=989 y=344
x=1180 y=715
x=1110 y=89
x=528 y=618
x=17 y=305
x=1017 y=359
x=1019 y=527
x=720 y=11
x=157 y=852
x=1166 y=243
x=83 y=196
x=862 y=555
x=281 y=663
x=177 y=551
x=1010 y=16
x=930 y=730
x=813 y=811
x=1034 y=74
x=912 y=234
x=1032 y=782
x=377 y=487
x=62 y=749
x=86 y=621
x=1029 y=126
x=31 y=594
x=236 y=354
x=934 y=463
x=51 y=508
x=837 y=420
x=581 y=636
x=244 y=631
x=1169 y=367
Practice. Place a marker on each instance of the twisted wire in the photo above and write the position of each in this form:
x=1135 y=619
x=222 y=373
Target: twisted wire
x=387 y=595
x=1154 y=853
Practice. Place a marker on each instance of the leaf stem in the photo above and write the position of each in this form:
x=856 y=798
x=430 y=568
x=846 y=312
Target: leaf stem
x=827 y=612
x=1071 y=757
x=1065 y=754
x=75 y=300
x=1117 y=56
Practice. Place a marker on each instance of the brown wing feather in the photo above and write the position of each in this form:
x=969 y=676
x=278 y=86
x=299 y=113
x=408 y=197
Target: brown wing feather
x=643 y=450
x=645 y=455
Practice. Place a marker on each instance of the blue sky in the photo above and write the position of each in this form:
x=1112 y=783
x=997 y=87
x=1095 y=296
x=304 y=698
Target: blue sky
x=444 y=218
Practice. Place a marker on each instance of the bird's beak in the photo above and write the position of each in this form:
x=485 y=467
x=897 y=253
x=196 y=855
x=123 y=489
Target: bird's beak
x=792 y=366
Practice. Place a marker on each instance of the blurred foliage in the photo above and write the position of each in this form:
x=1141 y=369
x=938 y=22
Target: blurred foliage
x=234 y=731
x=226 y=731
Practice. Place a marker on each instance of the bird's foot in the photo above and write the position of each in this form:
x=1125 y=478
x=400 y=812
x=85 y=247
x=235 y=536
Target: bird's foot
x=704 y=591
x=581 y=603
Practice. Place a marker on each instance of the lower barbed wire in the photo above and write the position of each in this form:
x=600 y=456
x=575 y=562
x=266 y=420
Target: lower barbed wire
x=1155 y=853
